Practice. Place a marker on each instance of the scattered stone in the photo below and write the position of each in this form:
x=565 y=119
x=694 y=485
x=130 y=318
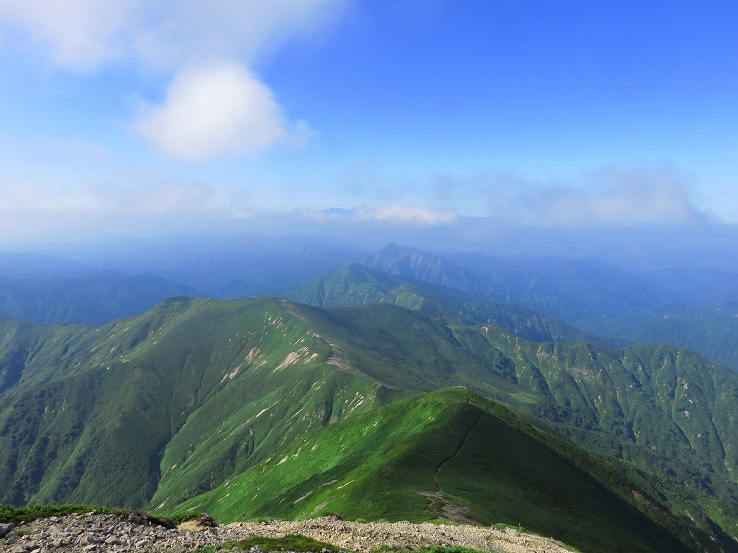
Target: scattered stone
x=137 y=533
x=147 y=520
x=198 y=524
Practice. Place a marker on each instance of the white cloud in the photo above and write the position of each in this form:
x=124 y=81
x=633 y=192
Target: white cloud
x=177 y=32
x=407 y=214
x=210 y=108
x=392 y=214
x=616 y=197
x=610 y=196
x=32 y=211
x=83 y=35
x=213 y=110
x=152 y=199
x=146 y=199
x=75 y=35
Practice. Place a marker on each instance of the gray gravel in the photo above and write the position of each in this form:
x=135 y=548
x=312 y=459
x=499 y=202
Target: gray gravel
x=110 y=533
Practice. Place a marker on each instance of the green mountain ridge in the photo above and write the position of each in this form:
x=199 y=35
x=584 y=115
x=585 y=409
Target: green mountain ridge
x=357 y=284
x=590 y=392
x=156 y=409
x=105 y=410
x=454 y=455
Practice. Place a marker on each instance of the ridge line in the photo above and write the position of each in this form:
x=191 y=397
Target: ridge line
x=458 y=450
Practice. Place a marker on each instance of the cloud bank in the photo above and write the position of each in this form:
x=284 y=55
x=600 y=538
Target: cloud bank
x=32 y=211
x=610 y=196
x=85 y=35
x=613 y=196
x=406 y=215
x=214 y=104
x=75 y=35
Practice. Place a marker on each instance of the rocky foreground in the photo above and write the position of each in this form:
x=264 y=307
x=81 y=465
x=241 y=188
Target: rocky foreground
x=112 y=533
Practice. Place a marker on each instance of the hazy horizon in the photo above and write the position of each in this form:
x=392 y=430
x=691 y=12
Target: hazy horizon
x=509 y=128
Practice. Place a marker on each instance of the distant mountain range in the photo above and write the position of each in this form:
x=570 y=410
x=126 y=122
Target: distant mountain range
x=95 y=299
x=570 y=290
x=358 y=284
x=585 y=300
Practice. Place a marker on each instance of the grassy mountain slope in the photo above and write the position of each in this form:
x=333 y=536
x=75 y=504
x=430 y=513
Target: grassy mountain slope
x=638 y=393
x=710 y=331
x=95 y=299
x=452 y=454
x=154 y=409
x=194 y=388
x=663 y=408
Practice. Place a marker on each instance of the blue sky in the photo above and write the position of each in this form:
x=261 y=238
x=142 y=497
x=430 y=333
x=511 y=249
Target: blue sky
x=129 y=117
